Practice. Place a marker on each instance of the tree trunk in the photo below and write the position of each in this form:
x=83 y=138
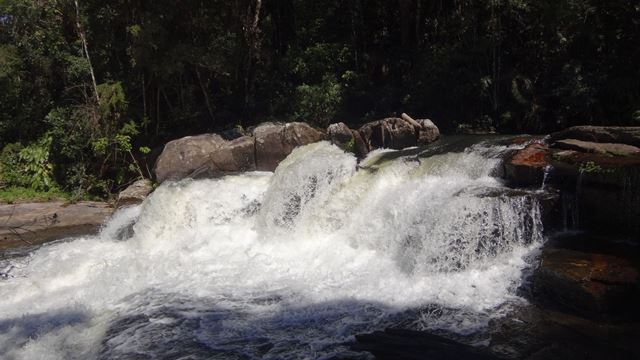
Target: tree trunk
x=206 y=96
x=252 y=36
x=85 y=48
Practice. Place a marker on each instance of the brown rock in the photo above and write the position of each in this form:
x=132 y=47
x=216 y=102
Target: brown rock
x=526 y=167
x=601 y=134
x=398 y=133
x=586 y=282
x=35 y=223
x=598 y=148
x=135 y=193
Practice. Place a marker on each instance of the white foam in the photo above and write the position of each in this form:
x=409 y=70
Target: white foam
x=300 y=261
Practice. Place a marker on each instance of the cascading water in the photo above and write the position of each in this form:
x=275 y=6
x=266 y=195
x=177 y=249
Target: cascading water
x=283 y=265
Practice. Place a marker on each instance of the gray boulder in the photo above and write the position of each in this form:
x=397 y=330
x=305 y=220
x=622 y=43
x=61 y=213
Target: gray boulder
x=202 y=156
x=275 y=141
x=135 y=193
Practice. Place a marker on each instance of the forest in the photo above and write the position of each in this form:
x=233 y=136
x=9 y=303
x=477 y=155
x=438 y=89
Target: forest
x=90 y=90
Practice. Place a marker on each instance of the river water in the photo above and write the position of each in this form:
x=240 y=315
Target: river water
x=283 y=265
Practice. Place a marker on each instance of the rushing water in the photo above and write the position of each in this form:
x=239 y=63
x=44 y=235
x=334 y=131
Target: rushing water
x=283 y=265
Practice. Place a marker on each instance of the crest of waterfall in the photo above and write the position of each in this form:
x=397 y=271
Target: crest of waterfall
x=323 y=248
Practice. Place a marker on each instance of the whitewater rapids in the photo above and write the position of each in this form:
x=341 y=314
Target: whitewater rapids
x=284 y=265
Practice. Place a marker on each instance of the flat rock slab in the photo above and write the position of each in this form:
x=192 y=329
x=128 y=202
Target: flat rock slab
x=36 y=223
x=612 y=149
x=629 y=135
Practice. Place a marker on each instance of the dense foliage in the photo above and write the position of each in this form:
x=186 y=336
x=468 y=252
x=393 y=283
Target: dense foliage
x=94 y=84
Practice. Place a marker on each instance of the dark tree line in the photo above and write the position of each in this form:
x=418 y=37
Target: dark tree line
x=105 y=80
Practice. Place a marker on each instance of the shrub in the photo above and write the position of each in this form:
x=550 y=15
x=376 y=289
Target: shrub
x=318 y=103
x=29 y=166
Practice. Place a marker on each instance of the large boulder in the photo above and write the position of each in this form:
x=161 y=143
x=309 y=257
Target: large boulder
x=35 y=223
x=135 y=193
x=398 y=133
x=275 y=141
x=602 y=134
x=207 y=155
x=428 y=132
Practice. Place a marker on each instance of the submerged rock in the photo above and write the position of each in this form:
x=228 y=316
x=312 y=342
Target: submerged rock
x=135 y=193
x=410 y=344
x=35 y=223
x=529 y=332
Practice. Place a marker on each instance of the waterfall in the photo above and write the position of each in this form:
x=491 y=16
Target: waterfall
x=289 y=264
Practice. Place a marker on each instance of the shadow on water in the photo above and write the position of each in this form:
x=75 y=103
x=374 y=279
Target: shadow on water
x=18 y=332
x=171 y=326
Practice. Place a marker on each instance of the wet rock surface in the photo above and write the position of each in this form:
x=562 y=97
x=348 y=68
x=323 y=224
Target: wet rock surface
x=586 y=282
x=35 y=223
x=527 y=166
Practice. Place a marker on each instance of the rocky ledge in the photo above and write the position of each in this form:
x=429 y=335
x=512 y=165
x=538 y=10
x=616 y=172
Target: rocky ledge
x=36 y=223
x=265 y=146
x=598 y=171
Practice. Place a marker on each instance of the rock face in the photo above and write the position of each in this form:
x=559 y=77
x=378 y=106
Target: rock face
x=601 y=180
x=601 y=134
x=597 y=148
x=586 y=282
x=135 y=193
x=527 y=166
x=207 y=155
x=35 y=223
x=274 y=141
